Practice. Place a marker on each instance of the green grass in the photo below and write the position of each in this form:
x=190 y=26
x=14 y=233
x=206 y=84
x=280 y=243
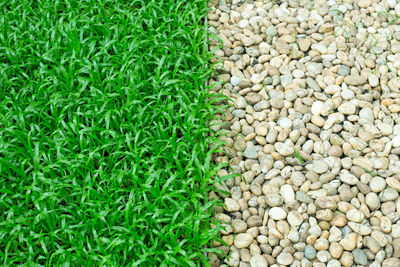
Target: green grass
x=104 y=144
x=372 y=173
x=297 y=156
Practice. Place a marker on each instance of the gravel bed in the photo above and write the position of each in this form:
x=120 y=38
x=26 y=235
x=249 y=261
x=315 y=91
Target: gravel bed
x=313 y=131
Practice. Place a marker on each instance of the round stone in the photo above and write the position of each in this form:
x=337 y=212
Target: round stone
x=347 y=94
x=317 y=107
x=396 y=141
x=287 y=193
x=335 y=250
x=323 y=256
x=277 y=213
x=243 y=240
x=231 y=205
x=285 y=123
x=319 y=166
x=258 y=261
x=235 y=80
x=349 y=242
x=310 y=252
x=285 y=258
x=355 y=215
x=391 y=262
x=347 y=108
x=360 y=257
x=295 y=218
x=377 y=184
x=284 y=149
x=393 y=183
x=273 y=200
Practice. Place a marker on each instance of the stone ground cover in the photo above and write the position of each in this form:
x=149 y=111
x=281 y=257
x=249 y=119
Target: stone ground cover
x=314 y=132
x=104 y=157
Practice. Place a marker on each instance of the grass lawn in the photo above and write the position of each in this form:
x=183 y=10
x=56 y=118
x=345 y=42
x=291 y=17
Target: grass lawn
x=104 y=156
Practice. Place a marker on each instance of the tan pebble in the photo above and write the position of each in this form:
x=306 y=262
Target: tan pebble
x=228 y=239
x=391 y=262
x=325 y=232
x=349 y=242
x=335 y=151
x=386 y=224
x=321 y=244
x=325 y=214
x=326 y=202
x=243 y=240
x=271 y=260
x=318 y=120
x=346 y=259
x=310 y=240
x=336 y=250
x=387 y=102
x=344 y=207
x=393 y=183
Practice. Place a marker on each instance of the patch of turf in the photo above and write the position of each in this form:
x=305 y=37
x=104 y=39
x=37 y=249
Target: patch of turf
x=104 y=157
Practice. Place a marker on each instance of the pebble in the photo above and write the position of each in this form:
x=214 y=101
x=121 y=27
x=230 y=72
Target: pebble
x=377 y=184
x=284 y=149
x=287 y=193
x=323 y=256
x=343 y=70
x=285 y=123
x=355 y=215
x=360 y=257
x=349 y=242
x=319 y=166
x=355 y=80
x=314 y=68
x=360 y=228
x=348 y=178
x=243 y=240
x=317 y=107
x=286 y=80
x=231 y=205
x=347 y=108
x=285 y=258
x=258 y=261
x=391 y=262
x=274 y=200
x=277 y=213
x=304 y=44
x=326 y=202
x=295 y=218
x=372 y=244
x=364 y=3
x=393 y=183
x=336 y=250
x=373 y=80
x=347 y=95
x=310 y=252
x=250 y=152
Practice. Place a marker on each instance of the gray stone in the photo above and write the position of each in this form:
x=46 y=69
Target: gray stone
x=273 y=200
x=314 y=68
x=271 y=30
x=355 y=80
x=310 y=252
x=360 y=257
x=286 y=80
x=239 y=113
x=250 y=152
x=303 y=197
x=343 y=70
